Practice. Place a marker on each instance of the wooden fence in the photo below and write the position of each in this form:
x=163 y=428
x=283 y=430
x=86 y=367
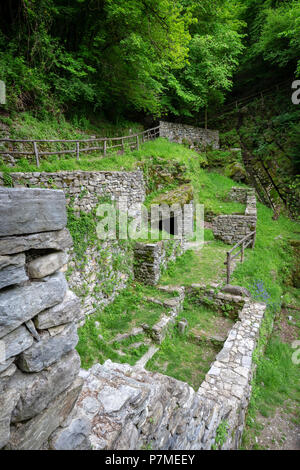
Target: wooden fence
x=101 y=145
x=243 y=243
x=237 y=104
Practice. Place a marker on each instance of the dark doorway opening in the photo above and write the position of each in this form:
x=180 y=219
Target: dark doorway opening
x=169 y=225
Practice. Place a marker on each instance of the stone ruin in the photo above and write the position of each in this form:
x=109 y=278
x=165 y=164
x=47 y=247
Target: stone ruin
x=232 y=228
x=194 y=136
x=47 y=402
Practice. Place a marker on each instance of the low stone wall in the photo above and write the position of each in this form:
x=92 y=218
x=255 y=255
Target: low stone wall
x=194 y=135
x=105 y=268
x=39 y=367
x=151 y=258
x=86 y=187
x=238 y=194
x=127 y=408
x=232 y=228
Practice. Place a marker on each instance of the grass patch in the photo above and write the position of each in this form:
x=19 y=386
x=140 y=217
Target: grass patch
x=200 y=267
x=129 y=310
x=178 y=357
x=93 y=349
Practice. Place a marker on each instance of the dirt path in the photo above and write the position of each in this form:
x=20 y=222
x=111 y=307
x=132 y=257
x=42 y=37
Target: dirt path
x=279 y=432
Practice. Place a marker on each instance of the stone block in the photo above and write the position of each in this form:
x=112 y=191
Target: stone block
x=7 y=403
x=73 y=437
x=49 y=349
x=69 y=310
x=37 y=390
x=34 y=433
x=12 y=270
x=45 y=265
x=17 y=341
x=25 y=211
x=20 y=304
x=55 y=240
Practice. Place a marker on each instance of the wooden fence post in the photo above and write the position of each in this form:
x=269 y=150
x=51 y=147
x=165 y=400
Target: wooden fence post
x=77 y=150
x=242 y=253
x=36 y=152
x=104 y=147
x=137 y=143
x=122 y=140
x=228 y=267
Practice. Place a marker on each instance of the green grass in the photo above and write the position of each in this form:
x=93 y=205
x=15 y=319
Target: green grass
x=272 y=259
x=95 y=161
x=93 y=349
x=276 y=385
x=198 y=267
x=129 y=310
x=26 y=126
x=180 y=358
x=195 y=357
x=200 y=317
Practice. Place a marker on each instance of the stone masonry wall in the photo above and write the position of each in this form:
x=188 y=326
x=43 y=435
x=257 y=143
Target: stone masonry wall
x=95 y=285
x=127 y=408
x=194 y=135
x=39 y=366
x=151 y=258
x=232 y=228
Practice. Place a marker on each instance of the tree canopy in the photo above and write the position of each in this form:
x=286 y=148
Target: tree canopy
x=151 y=56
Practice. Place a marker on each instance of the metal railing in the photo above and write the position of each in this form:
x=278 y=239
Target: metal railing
x=16 y=146
x=243 y=243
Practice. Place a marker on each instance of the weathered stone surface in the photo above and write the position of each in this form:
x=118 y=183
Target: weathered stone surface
x=6 y=375
x=8 y=401
x=35 y=432
x=150 y=258
x=12 y=270
x=17 y=341
x=69 y=310
x=180 y=133
x=31 y=328
x=37 y=390
x=49 y=349
x=232 y=228
x=24 y=210
x=236 y=290
x=19 y=304
x=56 y=240
x=46 y=265
x=5 y=364
x=73 y=437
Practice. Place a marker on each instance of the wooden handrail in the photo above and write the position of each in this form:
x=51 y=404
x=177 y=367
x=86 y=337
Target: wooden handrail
x=228 y=108
x=251 y=237
x=135 y=142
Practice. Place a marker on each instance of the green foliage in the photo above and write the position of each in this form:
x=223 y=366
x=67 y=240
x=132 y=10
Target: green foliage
x=279 y=33
x=221 y=435
x=7 y=179
x=195 y=359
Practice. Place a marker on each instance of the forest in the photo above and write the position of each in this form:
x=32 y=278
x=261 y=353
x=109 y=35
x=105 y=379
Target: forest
x=153 y=57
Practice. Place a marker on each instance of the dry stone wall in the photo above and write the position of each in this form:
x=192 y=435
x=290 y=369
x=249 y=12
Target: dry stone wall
x=39 y=366
x=151 y=258
x=195 y=136
x=126 y=408
x=232 y=228
x=105 y=267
